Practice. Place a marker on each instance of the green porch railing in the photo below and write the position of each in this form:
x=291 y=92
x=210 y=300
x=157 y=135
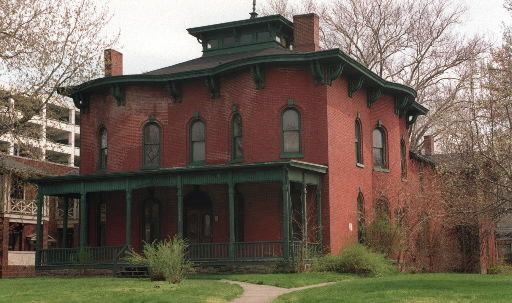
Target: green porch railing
x=88 y=256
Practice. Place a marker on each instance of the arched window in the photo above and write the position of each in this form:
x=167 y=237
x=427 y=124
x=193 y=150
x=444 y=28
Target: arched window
x=151 y=149
x=360 y=218
x=237 y=152
x=403 y=158
x=379 y=148
x=197 y=142
x=291 y=131
x=103 y=148
x=359 y=141
x=382 y=210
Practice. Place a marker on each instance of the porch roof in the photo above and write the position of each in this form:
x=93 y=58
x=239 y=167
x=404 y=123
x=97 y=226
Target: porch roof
x=208 y=174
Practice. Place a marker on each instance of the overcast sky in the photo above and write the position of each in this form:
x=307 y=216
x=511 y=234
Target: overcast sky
x=153 y=32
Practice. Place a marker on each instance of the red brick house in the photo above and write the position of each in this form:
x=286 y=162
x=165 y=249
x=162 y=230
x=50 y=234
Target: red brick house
x=263 y=139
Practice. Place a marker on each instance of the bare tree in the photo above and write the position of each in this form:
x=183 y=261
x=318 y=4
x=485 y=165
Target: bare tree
x=416 y=43
x=46 y=44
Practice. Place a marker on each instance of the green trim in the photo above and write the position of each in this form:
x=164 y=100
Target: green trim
x=355 y=84
x=65 y=222
x=258 y=75
x=284 y=155
x=231 y=210
x=195 y=31
x=128 y=226
x=39 y=226
x=83 y=218
x=213 y=85
x=351 y=66
x=118 y=92
x=373 y=95
x=174 y=90
x=179 y=193
x=286 y=213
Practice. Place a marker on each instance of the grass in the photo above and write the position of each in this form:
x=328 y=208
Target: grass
x=289 y=280
x=424 y=288
x=114 y=290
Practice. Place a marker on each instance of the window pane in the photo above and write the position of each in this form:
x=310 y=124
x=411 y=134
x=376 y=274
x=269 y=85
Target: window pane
x=151 y=154
x=197 y=131
x=378 y=157
x=103 y=138
x=237 y=127
x=291 y=142
x=151 y=134
x=290 y=120
x=198 y=151
x=238 y=147
x=378 y=140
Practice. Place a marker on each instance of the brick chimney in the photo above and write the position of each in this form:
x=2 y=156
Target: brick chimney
x=306 y=33
x=113 y=63
x=428 y=145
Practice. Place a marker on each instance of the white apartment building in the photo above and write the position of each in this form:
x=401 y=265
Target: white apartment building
x=53 y=136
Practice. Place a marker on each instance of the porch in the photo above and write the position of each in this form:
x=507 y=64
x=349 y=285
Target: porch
x=228 y=213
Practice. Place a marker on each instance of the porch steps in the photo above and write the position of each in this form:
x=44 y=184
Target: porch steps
x=132 y=271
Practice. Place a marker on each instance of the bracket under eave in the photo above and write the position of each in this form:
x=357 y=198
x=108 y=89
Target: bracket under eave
x=174 y=90
x=258 y=75
x=212 y=83
x=119 y=94
x=327 y=73
x=402 y=103
x=81 y=101
x=372 y=95
x=355 y=84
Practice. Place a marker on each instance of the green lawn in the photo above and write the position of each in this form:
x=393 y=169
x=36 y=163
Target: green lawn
x=113 y=290
x=424 y=288
x=281 y=280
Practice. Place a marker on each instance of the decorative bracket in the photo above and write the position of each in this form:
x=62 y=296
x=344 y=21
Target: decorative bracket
x=213 y=86
x=373 y=95
x=119 y=94
x=401 y=104
x=258 y=75
x=174 y=90
x=354 y=85
x=326 y=73
x=81 y=101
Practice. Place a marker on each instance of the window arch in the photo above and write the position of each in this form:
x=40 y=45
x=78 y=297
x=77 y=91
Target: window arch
x=103 y=140
x=291 y=131
x=359 y=141
x=379 y=148
x=151 y=148
x=403 y=158
x=360 y=218
x=237 y=152
x=197 y=142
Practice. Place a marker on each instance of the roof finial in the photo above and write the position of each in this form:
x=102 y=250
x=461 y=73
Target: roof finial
x=254 y=14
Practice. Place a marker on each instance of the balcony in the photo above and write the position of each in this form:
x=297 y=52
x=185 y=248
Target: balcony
x=23 y=209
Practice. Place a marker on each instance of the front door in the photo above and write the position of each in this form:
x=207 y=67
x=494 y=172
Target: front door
x=198 y=217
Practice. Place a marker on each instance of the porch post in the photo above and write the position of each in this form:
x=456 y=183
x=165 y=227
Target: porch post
x=179 y=190
x=128 y=236
x=83 y=219
x=39 y=226
x=304 y=218
x=319 y=211
x=286 y=214
x=231 y=190
x=65 y=223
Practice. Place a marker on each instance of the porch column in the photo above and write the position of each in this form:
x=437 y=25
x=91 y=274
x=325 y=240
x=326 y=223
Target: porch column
x=39 y=226
x=179 y=190
x=65 y=223
x=319 y=212
x=286 y=214
x=83 y=220
x=128 y=236
x=231 y=190
x=303 y=198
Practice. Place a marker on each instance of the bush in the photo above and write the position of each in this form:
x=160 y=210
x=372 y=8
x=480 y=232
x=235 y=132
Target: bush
x=165 y=260
x=500 y=269
x=356 y=259
x=381 y=236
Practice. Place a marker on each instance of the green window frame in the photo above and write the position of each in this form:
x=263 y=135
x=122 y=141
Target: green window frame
x=361 y=228
x=151 y=145
x=379 y=148
x=291 y=133
x=358 y=141
x=103 y=150
x=197 y=142
x=237 y=152
x=403 y=159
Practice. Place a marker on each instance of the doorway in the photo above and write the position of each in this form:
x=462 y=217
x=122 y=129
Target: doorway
x=198 y=219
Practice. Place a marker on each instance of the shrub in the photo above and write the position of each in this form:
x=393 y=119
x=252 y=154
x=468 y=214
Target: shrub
x=165 y=260
x=381 y=236
x=356 y=259
x=500 y=269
